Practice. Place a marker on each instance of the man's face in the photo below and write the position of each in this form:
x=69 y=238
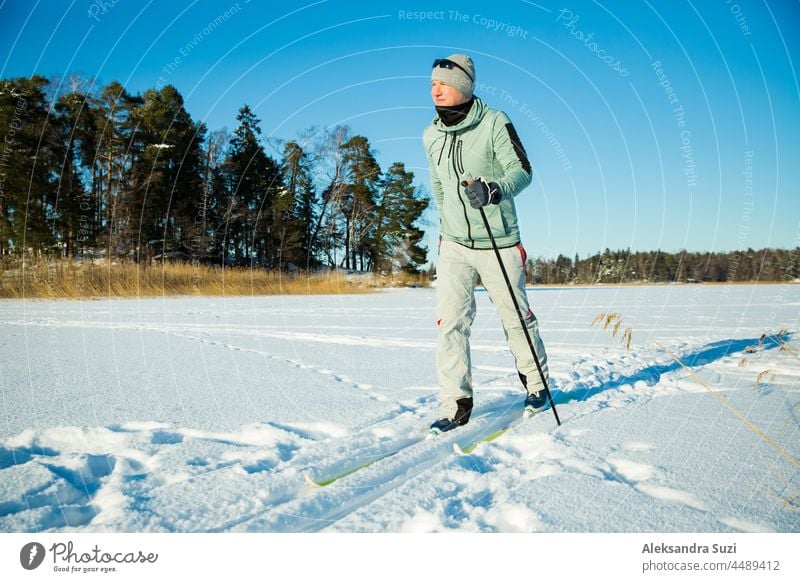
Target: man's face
x=446 y=95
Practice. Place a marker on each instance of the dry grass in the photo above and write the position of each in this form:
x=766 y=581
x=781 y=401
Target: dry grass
x=730 y=407
x=781 y=338
x=790 y=499
x=765 y=375
x=616 y=319
x=71 y=280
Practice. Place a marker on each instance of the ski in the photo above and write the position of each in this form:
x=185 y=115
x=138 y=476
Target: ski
x=322 y=478
x=469 y=448
x=347 y=471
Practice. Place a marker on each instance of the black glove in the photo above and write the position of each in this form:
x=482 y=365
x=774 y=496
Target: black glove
x=480 y=192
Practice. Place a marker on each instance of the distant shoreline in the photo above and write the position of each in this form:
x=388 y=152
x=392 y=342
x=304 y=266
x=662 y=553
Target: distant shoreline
x=69 y=280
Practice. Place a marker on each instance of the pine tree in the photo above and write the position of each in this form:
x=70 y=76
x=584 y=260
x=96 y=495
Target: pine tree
x=27 y=166
x=167 y=178
x=397 y=244
x=359 y=206
x=254 y=181
x=300 y=187
x=117 y=149
x=74 y=212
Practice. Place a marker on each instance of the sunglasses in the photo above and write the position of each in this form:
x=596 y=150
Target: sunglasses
x=448 y=64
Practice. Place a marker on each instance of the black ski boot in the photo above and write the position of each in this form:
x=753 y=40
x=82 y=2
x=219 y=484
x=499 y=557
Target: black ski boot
x=460 y=419
x=535 y=402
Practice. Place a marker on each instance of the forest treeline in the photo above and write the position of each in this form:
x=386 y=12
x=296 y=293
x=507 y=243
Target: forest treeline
x=658 y=267
x=88 y=172
x=94 y=172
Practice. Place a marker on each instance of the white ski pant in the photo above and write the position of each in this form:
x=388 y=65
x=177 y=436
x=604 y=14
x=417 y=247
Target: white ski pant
x=457 y=271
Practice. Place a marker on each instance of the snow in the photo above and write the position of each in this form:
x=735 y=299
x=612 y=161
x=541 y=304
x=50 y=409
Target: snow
x=205 y=415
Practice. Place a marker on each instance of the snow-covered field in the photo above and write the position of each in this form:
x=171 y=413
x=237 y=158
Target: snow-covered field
x=205 y=414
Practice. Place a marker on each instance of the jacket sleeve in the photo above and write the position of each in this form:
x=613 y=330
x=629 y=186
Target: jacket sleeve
x=510 y=153
x=436 y=184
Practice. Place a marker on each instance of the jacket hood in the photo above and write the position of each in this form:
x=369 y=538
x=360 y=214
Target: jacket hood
x=474 y=117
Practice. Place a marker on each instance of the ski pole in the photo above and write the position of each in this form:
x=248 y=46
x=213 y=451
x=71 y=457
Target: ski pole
x=519 y=314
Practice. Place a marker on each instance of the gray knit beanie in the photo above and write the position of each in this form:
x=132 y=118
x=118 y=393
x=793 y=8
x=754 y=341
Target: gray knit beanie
x=462 y=78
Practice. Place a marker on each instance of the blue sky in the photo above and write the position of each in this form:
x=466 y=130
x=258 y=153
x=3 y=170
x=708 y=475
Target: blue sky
x=649 y=124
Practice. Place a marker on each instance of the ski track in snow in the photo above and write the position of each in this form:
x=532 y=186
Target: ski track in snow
x=159 y=476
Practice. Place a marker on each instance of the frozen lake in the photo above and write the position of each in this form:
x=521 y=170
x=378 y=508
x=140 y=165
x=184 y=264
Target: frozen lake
x=204 y=414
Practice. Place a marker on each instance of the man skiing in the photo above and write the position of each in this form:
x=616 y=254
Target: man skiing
x=466 y=139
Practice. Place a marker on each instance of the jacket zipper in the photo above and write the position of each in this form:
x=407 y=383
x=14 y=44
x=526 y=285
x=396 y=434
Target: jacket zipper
x=441 y=151
x=456 y=159
x=450 y=154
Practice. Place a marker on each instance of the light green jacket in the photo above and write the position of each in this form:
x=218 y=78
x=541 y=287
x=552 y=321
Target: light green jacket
x=485 y=145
